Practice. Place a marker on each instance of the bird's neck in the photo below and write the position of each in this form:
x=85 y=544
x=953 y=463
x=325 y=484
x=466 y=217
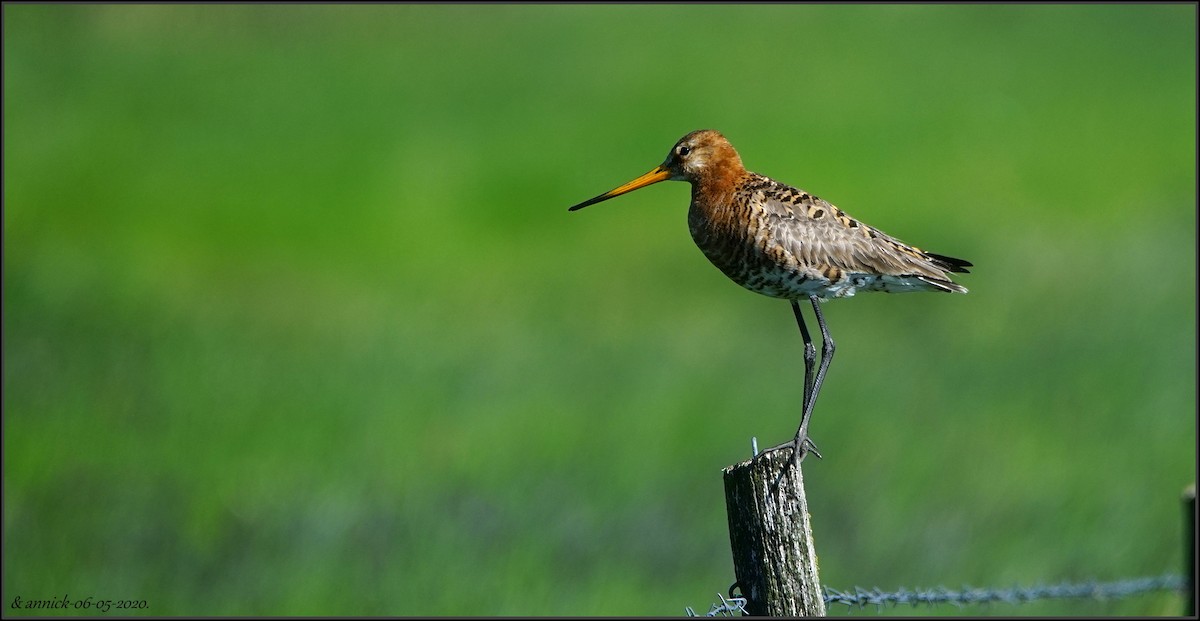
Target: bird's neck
x=716 y=188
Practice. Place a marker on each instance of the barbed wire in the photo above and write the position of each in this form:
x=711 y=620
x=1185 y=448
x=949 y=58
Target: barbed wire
x=971 y=595
x=1016 y=595
x=726 y=608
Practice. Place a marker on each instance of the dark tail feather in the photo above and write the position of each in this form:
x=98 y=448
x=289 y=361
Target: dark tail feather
x=950 y=264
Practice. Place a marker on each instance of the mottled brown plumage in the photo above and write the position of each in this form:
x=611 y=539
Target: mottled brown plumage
x=783 y=242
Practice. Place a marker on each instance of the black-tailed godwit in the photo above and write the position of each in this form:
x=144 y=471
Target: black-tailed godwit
x=786 y=243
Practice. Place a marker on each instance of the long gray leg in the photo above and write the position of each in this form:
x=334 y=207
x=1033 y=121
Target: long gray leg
x=812 y=386
x=810 y=357
x=801 y=445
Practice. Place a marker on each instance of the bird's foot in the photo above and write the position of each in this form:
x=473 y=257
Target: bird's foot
x=806 y=446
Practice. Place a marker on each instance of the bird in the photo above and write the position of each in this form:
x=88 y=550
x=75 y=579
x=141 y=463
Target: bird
x=786 y=243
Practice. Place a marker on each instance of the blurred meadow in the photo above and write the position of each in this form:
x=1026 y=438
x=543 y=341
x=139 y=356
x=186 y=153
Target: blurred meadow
x=296 y=321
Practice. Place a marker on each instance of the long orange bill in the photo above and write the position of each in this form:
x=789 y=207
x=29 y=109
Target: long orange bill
x=654 y=176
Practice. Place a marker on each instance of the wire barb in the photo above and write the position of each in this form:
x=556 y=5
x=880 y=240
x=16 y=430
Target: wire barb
x=727 y=607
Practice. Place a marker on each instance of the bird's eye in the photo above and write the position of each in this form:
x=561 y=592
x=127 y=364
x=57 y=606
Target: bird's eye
x=683 y=150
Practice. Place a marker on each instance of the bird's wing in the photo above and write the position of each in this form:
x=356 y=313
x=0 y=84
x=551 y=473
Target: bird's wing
x=816 y=232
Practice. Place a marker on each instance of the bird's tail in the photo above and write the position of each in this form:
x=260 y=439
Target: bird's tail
x=950 y=264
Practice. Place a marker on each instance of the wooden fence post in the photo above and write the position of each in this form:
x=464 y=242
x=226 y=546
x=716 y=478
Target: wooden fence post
x=773 y=555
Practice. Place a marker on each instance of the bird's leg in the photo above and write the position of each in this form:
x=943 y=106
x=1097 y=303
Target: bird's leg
x=826 y=354
x=801 y=445
x=810 y=357
x=812 y=386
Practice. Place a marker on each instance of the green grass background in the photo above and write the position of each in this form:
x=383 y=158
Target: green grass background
x=296 y=321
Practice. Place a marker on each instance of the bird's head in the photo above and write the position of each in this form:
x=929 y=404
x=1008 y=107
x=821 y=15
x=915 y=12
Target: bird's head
x=701 y=155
